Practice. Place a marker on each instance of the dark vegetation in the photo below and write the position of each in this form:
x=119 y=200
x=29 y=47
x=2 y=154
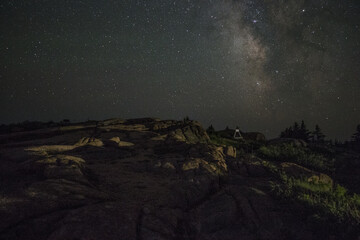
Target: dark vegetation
x=301 y=132
x=329 y=209
x=300 y=155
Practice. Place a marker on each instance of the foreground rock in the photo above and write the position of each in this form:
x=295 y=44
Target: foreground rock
x=135 y=179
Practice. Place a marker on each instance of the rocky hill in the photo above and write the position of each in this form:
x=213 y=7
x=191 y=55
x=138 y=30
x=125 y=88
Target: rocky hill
x=150 y=179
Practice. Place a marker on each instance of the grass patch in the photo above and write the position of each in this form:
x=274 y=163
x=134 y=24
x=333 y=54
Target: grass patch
x=299 y=155
x=330 y=210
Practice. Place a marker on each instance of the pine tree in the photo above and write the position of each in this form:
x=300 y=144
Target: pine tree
x=210 y=129
x=302 y=126
x=287 y=133
x=296 y=127
x=356 y=136
x=318 y=135
x=283 y=134
x=304 y=132
x=296 y=131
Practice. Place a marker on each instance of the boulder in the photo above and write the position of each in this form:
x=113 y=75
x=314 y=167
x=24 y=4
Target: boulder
x=90 y=141
x=161 y=125
x=192 y=133
x=230 y=151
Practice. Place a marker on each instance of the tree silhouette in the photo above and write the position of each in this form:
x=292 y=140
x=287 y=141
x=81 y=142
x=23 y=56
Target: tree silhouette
x=287 y=133
x=296 y=127
x=296 y=131
x=210 y=129
x=318 y=135
x=356 y=136
x=304 y=133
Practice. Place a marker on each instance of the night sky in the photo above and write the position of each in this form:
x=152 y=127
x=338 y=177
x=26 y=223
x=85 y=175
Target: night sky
x=260 y=65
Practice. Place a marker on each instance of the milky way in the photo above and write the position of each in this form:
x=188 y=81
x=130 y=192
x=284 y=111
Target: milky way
x=258 y=64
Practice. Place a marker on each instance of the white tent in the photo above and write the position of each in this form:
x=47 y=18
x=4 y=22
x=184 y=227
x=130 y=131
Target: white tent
x=237 y=134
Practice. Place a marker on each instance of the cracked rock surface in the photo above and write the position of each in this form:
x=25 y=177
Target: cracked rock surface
x=134 y=179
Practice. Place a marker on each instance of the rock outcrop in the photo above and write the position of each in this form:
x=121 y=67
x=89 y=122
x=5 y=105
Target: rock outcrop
x=135 y=179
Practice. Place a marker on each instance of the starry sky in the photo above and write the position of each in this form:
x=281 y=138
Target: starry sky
x=260 y=65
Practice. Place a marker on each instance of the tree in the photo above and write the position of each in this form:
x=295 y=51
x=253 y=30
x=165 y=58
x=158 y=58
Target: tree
x=296 y=127
x=304 y=133
x=318 y=135
x=210 y=129
x=287 y=133
x=356 y=136
x=296 y=131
